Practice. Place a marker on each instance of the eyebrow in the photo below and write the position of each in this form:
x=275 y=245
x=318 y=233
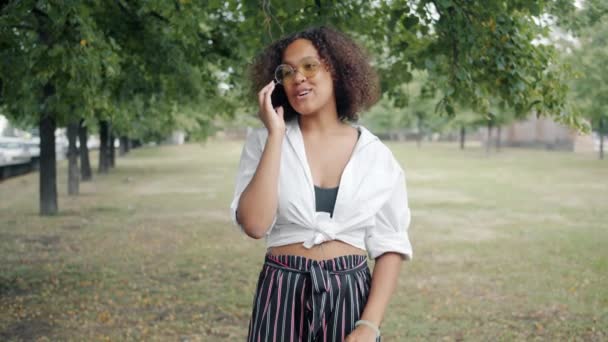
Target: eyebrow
x=290 y=63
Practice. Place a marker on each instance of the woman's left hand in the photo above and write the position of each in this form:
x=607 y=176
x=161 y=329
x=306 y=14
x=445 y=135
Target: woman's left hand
x=361 y=334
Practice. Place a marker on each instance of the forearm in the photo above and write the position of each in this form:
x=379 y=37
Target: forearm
x=259 y=201
x=384 y=283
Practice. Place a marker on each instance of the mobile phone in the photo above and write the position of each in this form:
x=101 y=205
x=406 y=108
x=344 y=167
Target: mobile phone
x=278 y=97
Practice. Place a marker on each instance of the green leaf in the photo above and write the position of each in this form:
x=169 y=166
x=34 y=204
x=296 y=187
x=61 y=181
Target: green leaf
x=410 y=21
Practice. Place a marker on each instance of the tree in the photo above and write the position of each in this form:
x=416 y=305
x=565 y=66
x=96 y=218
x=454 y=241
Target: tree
x=143 y=65
x=49 y=61
x=85 y=165
x=464 y=122
x=474 y=51
x=103 y=58
x=73 y=172
x=591 y=82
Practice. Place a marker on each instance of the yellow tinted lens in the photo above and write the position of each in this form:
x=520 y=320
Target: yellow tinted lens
x=309 y=67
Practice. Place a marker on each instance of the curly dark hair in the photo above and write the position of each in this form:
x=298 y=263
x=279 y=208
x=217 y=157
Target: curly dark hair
x=356 y=84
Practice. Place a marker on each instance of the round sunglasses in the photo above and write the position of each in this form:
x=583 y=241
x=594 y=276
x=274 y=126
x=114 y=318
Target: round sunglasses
x=285 y=74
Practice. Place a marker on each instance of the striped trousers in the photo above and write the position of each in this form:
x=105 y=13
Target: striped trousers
x=300 y=299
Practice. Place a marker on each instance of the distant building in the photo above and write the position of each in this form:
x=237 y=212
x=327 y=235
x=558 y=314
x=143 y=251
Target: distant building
x=543 y=132
x=176 y=138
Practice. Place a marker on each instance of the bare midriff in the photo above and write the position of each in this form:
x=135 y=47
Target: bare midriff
x=326 y=250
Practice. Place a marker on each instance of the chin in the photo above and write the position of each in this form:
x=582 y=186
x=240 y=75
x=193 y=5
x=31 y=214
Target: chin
x=305 y=110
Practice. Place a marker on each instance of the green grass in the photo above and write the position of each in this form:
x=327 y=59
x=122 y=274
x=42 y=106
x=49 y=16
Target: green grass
x=513 y=246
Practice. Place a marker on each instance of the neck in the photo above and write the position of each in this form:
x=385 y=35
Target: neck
x=324 y=122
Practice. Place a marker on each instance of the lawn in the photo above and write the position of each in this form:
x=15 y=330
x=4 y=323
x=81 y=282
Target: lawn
x=511 y=246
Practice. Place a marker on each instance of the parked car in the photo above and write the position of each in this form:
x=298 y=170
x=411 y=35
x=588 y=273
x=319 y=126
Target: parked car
x=14 y=150
x=92 y=142
x=33 y=146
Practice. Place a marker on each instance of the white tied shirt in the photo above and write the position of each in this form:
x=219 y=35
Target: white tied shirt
x=371 y=210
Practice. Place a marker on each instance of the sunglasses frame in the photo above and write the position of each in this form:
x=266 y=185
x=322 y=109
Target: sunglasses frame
x=298 y=69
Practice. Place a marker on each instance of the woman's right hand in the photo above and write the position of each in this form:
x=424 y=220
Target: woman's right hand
x=271 y=117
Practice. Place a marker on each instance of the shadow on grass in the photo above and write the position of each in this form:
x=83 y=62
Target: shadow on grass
x=26 y=330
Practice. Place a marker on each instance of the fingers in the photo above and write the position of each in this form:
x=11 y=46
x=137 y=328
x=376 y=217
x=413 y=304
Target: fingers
x=268 y=98
x=279 y=111
x=262 y=93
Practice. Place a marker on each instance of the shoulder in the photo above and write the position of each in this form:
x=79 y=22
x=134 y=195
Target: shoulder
x=256 y=136
x=259 y=132
x=378 y=154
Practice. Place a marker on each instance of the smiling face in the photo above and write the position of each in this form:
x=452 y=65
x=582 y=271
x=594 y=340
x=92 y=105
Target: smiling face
x=308 y=95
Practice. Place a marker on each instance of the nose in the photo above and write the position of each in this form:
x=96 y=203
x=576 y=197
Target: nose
x=299 y=77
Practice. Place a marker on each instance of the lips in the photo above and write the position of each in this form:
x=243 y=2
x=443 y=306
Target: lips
x=302 y=93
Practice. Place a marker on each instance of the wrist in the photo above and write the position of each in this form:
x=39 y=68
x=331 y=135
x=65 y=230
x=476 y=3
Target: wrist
x=276 y=136
x=369 y=325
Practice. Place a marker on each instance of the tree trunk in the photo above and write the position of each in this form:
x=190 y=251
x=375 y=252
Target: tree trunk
x=48 y=167
x=319 y=9
x=85 y=165
x=103 y=146
x=601 y=133
x=419 y=137
x=498 y=130
x=601 y=146
x=135 y=143
x=112 y=150
x=463 y=133
x=73 y=174
x=489 y=140
x=124 y=145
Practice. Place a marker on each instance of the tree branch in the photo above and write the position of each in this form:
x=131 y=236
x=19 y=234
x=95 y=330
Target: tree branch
x=467 y=13
x=40 y=14
x=159 y=17
x=43 y=35
x=123 y=8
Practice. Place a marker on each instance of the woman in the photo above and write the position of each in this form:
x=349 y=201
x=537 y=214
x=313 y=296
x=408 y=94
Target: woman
x=324 y=192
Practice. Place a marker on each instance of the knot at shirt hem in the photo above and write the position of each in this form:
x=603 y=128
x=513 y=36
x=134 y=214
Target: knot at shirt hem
x=324 y=229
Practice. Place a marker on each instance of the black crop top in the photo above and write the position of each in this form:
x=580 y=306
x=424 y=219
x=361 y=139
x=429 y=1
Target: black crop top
x=326 y=197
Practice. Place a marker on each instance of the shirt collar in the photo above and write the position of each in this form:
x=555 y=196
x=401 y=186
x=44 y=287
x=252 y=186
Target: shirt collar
x=294 y=134
x=295 y=139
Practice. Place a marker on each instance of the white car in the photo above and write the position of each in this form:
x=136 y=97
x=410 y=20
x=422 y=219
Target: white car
x=33 y=146
x=14 y=151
